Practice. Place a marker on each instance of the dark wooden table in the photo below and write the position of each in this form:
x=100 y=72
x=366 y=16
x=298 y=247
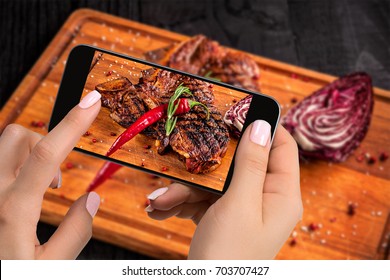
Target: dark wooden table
x=329 y=36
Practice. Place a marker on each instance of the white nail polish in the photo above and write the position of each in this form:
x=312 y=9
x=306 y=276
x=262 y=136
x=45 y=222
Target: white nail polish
x=92 y=204
x=59 y=180
x=90 y=99
x=149 y=209
x=157 y=193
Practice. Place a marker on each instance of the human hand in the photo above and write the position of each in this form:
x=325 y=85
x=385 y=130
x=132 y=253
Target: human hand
x=28 y=164
x=256 y=215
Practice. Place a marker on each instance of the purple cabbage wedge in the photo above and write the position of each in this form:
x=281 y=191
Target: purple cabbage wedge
x=331 y=123
x=236 y=115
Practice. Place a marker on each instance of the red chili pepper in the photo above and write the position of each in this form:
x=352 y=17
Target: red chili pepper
x=108 y=169
x=143 y=122
x=149 y=118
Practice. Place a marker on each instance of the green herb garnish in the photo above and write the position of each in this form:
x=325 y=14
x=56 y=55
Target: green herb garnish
x=172 y=107
x=208 y=75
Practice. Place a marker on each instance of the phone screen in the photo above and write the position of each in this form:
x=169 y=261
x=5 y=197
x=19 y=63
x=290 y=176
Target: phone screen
x=200 y=149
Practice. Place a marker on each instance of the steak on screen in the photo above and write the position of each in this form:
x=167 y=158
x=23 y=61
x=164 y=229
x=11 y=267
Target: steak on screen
x=200 y=142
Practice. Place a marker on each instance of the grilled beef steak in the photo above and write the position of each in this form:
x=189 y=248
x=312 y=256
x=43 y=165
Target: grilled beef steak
x=200 y=142
x=201 y=56
x=120 y=96
x=157 y=86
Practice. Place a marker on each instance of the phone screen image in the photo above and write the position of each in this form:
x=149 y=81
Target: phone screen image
x=195 y=145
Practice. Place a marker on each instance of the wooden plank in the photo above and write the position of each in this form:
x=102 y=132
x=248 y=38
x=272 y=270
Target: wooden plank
x=326 y=189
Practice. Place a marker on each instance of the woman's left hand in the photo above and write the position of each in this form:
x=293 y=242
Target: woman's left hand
x=29 y=163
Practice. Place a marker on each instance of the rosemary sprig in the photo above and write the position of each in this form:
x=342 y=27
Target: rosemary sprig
x=172 y=107
x=208 y=75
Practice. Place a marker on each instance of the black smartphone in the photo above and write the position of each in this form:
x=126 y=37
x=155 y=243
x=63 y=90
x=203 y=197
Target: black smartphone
x=200 y=149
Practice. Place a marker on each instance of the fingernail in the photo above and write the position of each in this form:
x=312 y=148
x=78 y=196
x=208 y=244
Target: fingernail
x=260 y=133
x=149 y=209
x=157 y=193
x=93 y=202
x=59 y=180
x=90 y=99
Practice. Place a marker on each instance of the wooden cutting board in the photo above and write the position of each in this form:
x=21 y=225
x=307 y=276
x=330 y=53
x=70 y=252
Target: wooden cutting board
x=327 y=231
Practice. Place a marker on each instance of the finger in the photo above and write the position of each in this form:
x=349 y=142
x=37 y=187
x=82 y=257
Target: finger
x=57 y=181
x=176 y=194
x=16 y=143
x=283 y=166
x=251 y=162
x=75 y=230
x=284 y=147
x=46 y=157
x=193 y=211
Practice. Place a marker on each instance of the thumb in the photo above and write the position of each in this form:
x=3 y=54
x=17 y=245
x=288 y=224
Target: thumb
x=75 y=230
x=251 y=160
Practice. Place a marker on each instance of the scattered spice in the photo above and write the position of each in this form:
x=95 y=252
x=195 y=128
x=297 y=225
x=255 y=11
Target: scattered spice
x=293 y=242
x=371 y=160
x=164 y=168
x=360 y=157
x=383 y=156
x=39 y=124
x=351 y=211
x=147 y=147
x=313 y=227
x=234 y=100
x=69 y=165
x=294 y=75
x=109 y=73
x=113 y=134
x=294 y=100
x=94 y=140
x=87 y=133
x=333 y=219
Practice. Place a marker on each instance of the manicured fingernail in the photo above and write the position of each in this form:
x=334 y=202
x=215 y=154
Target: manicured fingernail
x=59 y=181
x=260 y=133
x=157 y=193
x=149 y=209
x=93 y=202
x=90 y=99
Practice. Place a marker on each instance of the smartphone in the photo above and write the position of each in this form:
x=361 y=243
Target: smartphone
x=200 y=150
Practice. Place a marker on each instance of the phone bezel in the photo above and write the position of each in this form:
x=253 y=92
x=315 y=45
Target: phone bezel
x=75 y=76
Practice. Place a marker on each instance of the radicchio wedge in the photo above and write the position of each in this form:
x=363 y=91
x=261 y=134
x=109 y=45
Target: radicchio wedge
x=331 y=123
x=236 y=115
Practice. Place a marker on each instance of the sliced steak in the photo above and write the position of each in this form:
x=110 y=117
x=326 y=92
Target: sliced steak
x=237 y=69
x=194 y=55
x=202 y=56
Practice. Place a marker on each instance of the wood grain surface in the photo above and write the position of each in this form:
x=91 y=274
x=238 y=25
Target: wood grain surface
x=326 y=231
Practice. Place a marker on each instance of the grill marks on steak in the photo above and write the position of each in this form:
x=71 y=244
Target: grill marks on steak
x=200 y=55
x=120 y=96
x=200 y=142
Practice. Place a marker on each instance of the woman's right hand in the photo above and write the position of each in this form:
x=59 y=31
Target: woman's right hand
x=256 y=215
